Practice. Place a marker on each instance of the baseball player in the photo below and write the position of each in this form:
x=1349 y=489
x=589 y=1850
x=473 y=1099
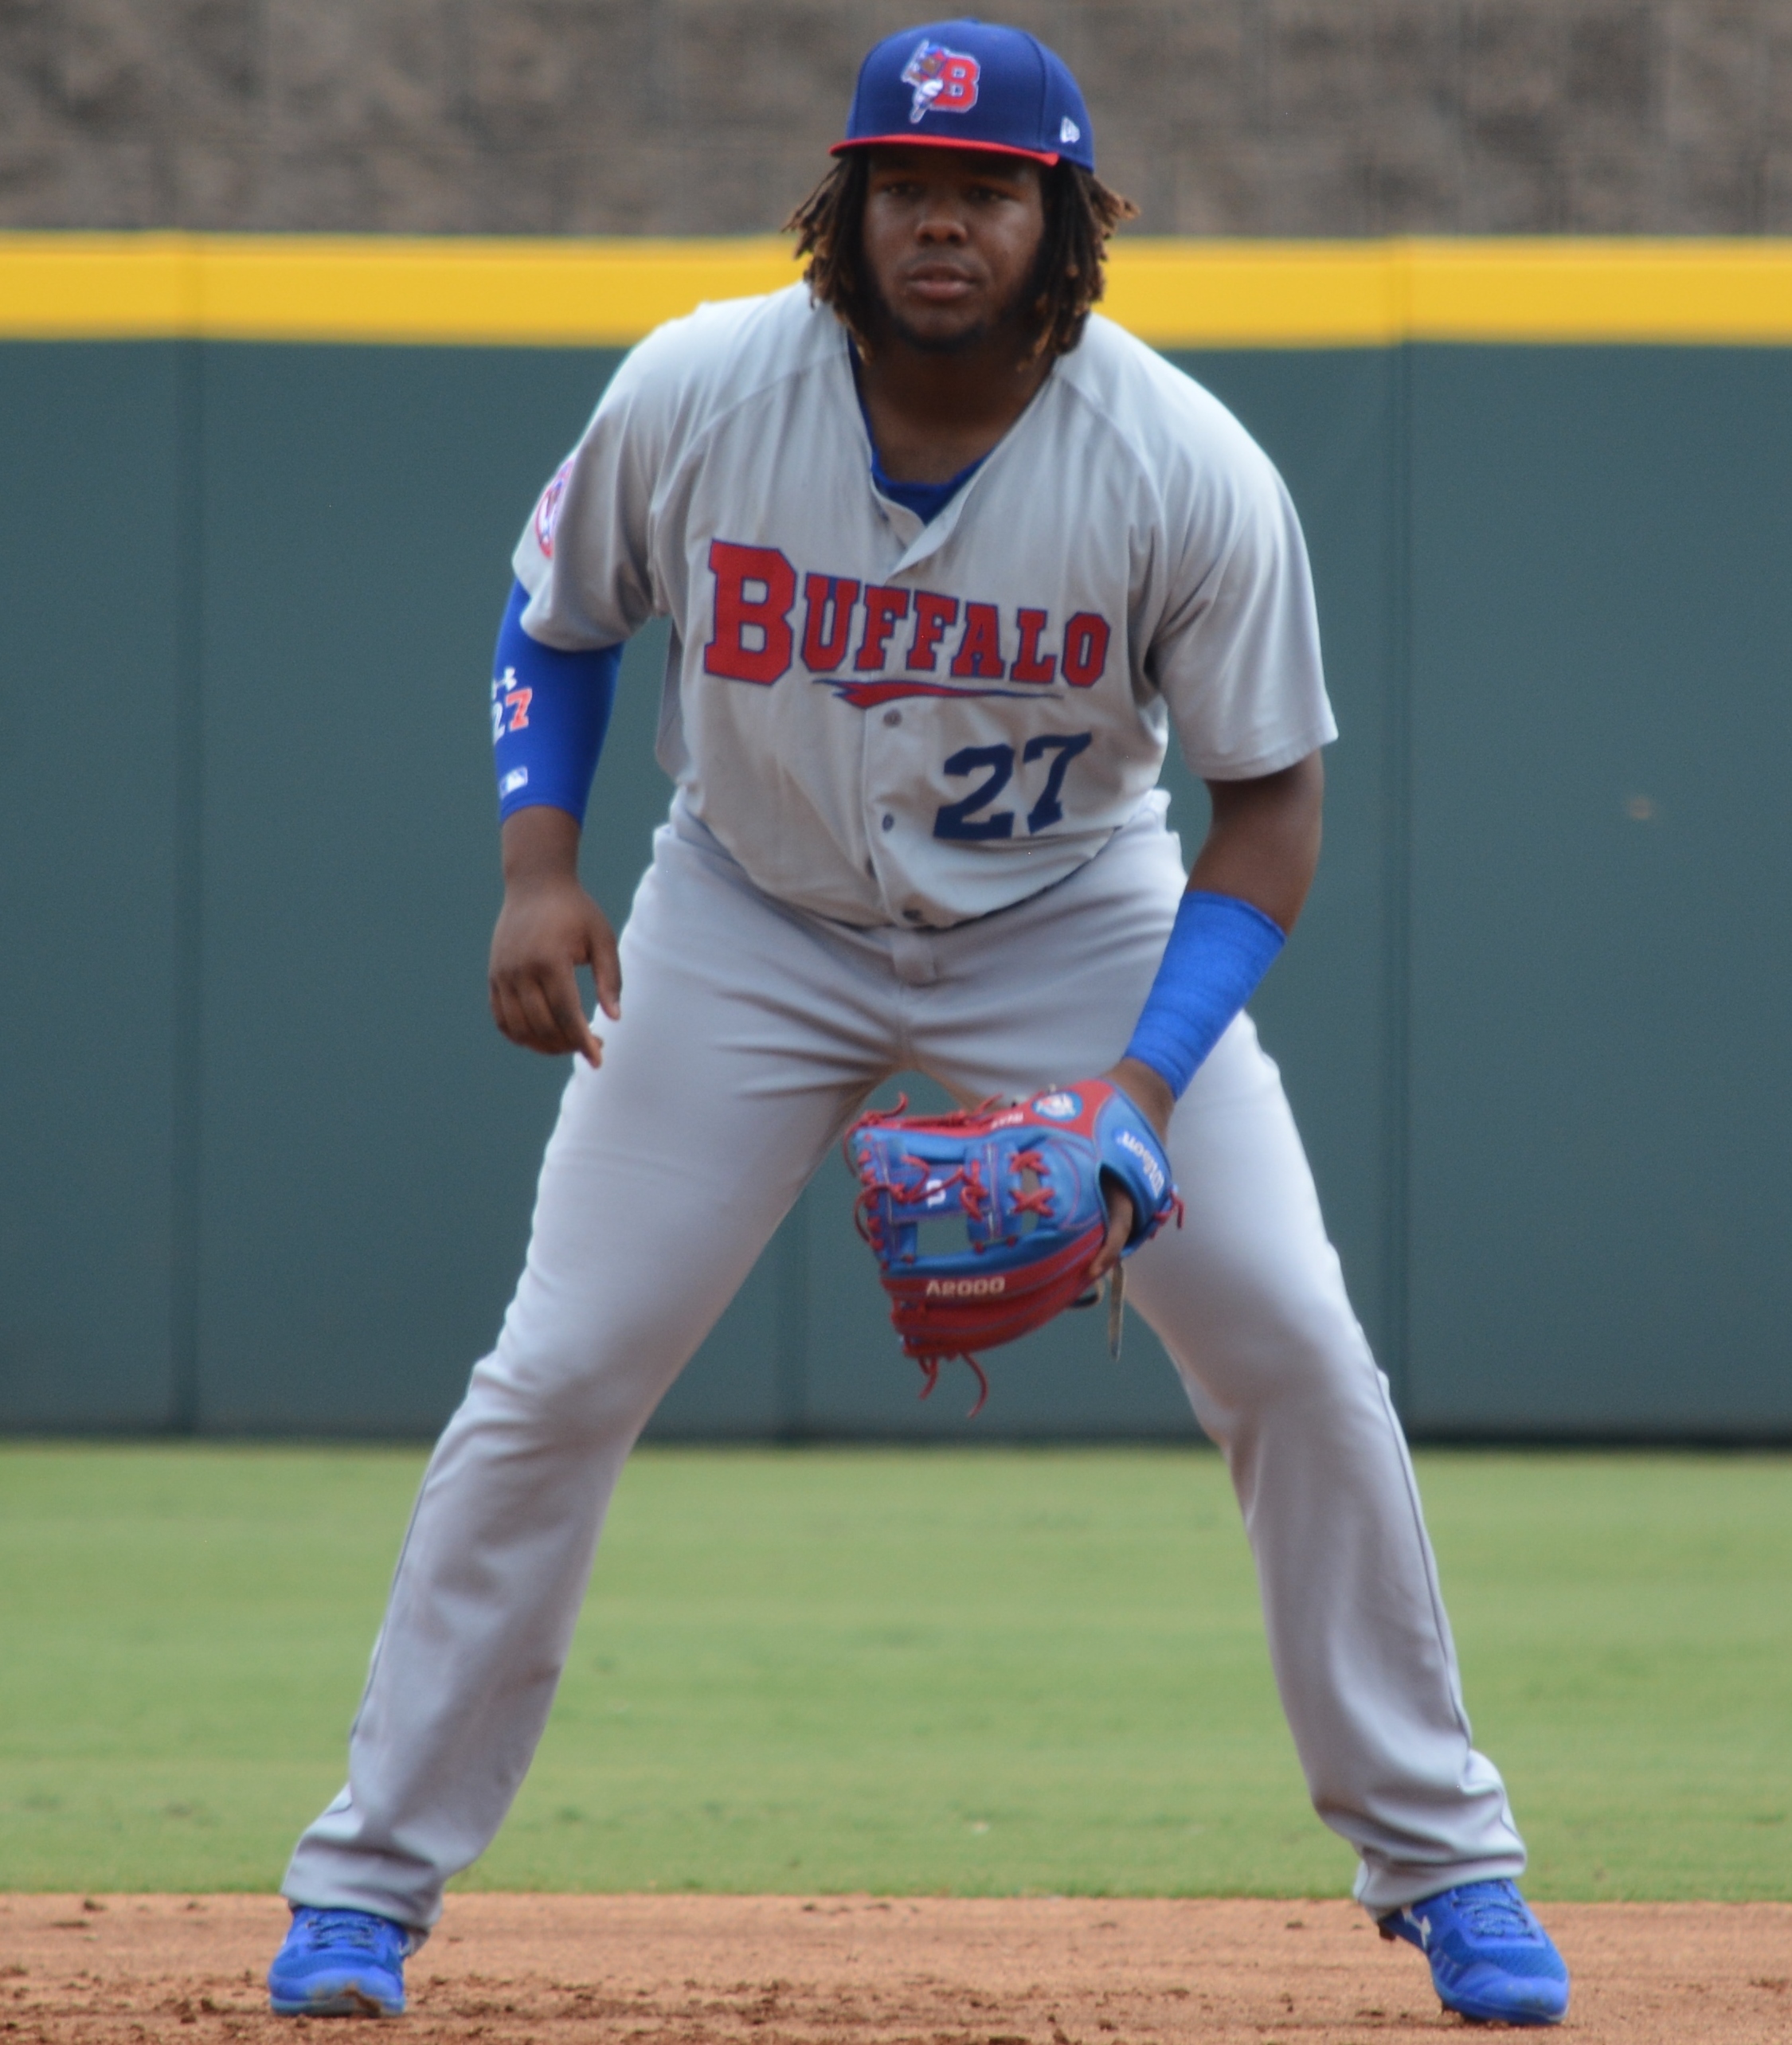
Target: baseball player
x=947 y=558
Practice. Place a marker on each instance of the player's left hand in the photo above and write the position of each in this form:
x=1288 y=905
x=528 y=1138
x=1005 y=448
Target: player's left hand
x=1155 y=1101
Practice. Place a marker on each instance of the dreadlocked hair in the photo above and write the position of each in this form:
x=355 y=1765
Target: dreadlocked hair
x=1068 y=280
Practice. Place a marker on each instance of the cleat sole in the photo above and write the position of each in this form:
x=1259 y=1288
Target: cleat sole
x=1519 y=2019
x=343 y=2002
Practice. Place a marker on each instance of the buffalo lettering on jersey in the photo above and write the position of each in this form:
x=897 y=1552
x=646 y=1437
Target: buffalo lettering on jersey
x=841 y=629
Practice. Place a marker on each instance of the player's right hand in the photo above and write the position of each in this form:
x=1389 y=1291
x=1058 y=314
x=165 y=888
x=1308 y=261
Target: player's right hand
x=548 y=928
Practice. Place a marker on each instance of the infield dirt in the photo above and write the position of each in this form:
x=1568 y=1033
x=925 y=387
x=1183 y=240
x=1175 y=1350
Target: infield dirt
x=857 y=1970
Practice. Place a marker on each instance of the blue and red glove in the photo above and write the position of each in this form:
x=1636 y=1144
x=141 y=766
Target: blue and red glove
x=1023 y=1186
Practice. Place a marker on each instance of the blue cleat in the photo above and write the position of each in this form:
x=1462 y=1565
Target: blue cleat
x=1491 y=1960
x=341 y=1963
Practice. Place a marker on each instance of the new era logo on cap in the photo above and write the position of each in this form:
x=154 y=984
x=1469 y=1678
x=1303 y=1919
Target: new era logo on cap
x=967 y=84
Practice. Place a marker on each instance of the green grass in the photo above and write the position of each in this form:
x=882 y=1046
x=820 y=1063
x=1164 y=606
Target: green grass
x=977 y=1673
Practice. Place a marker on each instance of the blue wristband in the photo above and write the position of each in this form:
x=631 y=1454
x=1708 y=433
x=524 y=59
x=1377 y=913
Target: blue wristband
x=549 y=711
x=1220 y=948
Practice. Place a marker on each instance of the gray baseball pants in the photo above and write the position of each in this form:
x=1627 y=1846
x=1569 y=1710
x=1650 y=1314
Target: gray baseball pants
x=750 y=1034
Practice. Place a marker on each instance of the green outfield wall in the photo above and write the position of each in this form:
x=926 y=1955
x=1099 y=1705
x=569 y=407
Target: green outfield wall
x=265 y=1167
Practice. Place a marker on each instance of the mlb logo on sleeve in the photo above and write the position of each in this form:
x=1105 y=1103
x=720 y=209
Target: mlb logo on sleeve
x=547 y=512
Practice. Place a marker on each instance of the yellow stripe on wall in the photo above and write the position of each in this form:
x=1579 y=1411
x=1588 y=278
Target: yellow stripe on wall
x=1174 y=293
x=368 y=288
x=1674 y=291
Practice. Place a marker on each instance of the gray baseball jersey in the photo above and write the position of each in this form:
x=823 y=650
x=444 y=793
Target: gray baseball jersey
x=885 y=721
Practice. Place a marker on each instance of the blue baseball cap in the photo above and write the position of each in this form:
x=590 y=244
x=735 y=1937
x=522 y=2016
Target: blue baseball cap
x=970 y=85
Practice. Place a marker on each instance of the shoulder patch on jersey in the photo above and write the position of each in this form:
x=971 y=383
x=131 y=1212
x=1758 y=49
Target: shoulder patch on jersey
x=547 y=512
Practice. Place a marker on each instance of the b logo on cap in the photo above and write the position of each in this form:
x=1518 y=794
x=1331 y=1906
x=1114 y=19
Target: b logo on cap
x=944 y=80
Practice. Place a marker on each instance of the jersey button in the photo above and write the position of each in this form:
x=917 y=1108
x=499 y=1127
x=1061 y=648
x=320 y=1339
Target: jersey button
x=893 y=717
x=888 y=821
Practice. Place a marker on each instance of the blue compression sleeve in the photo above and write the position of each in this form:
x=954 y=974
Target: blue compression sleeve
x=1220 y=948
x=549 y=711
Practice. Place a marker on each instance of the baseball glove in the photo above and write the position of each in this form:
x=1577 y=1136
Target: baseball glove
x=1020 y=1191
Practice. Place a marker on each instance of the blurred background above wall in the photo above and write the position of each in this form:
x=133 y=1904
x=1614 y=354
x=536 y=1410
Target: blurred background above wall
x=1254 y=117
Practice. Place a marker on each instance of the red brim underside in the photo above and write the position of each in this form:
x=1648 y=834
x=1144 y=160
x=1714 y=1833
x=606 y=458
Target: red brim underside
x=942 y=141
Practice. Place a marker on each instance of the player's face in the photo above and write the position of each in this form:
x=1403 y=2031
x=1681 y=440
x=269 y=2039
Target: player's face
x=951 y=238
